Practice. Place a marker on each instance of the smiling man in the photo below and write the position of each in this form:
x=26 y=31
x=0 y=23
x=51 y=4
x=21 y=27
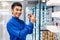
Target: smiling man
x=16 y=27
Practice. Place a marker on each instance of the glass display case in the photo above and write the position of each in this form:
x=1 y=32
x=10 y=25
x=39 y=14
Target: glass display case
x=43 y=18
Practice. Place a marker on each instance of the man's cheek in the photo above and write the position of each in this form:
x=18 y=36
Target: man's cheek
x=18 y=14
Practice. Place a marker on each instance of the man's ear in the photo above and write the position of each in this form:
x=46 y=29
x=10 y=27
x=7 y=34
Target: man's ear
x=12 y=11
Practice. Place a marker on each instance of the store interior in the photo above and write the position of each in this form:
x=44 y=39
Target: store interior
x=47 y=12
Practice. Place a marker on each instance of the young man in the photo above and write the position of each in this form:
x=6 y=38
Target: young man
x=17 y=29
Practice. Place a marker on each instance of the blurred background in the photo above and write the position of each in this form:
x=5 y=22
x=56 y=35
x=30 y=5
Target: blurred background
x=47 y=14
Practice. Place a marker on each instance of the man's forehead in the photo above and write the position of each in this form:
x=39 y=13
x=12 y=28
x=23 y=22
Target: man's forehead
x=18 y=7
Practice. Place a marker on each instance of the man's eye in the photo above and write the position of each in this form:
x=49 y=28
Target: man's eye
x=20 y=10
x=17 y=9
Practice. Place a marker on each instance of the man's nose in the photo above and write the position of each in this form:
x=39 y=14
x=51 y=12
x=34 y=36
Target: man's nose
x=19 y=11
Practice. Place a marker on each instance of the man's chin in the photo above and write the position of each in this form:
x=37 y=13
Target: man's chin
x=16 y=16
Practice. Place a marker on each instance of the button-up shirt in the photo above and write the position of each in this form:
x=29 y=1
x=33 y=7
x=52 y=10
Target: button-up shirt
x=17 y=29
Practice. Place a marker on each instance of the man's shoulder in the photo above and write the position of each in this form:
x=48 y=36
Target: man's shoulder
x=22 y=21
x=10 y=21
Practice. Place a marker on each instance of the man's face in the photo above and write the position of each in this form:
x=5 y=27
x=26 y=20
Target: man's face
x=17 y=10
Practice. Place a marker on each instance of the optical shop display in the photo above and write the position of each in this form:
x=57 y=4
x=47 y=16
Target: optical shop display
x=47 y=35
x=43 y=18
x=55 y=21
x=40 y=32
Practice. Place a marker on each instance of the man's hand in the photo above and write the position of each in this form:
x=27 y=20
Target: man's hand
x=32 y=18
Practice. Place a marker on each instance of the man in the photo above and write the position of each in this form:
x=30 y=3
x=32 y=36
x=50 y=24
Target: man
x=17 y=29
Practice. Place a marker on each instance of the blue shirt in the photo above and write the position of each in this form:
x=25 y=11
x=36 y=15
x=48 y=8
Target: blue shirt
x=18 y=30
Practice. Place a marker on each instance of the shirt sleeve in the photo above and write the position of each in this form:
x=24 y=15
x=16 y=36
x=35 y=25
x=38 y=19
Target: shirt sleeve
x=30 y=27
x=15 y=31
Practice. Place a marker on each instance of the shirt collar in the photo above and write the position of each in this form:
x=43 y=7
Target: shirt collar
x=13 y=17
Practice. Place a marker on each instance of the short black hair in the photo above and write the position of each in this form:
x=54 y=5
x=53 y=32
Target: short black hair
x=16 y=4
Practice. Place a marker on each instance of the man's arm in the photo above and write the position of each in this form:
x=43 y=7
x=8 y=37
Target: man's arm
x=15 y=31
x=30 y=27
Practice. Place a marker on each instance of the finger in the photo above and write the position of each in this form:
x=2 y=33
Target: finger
x=33 y=16
x=29 y=15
